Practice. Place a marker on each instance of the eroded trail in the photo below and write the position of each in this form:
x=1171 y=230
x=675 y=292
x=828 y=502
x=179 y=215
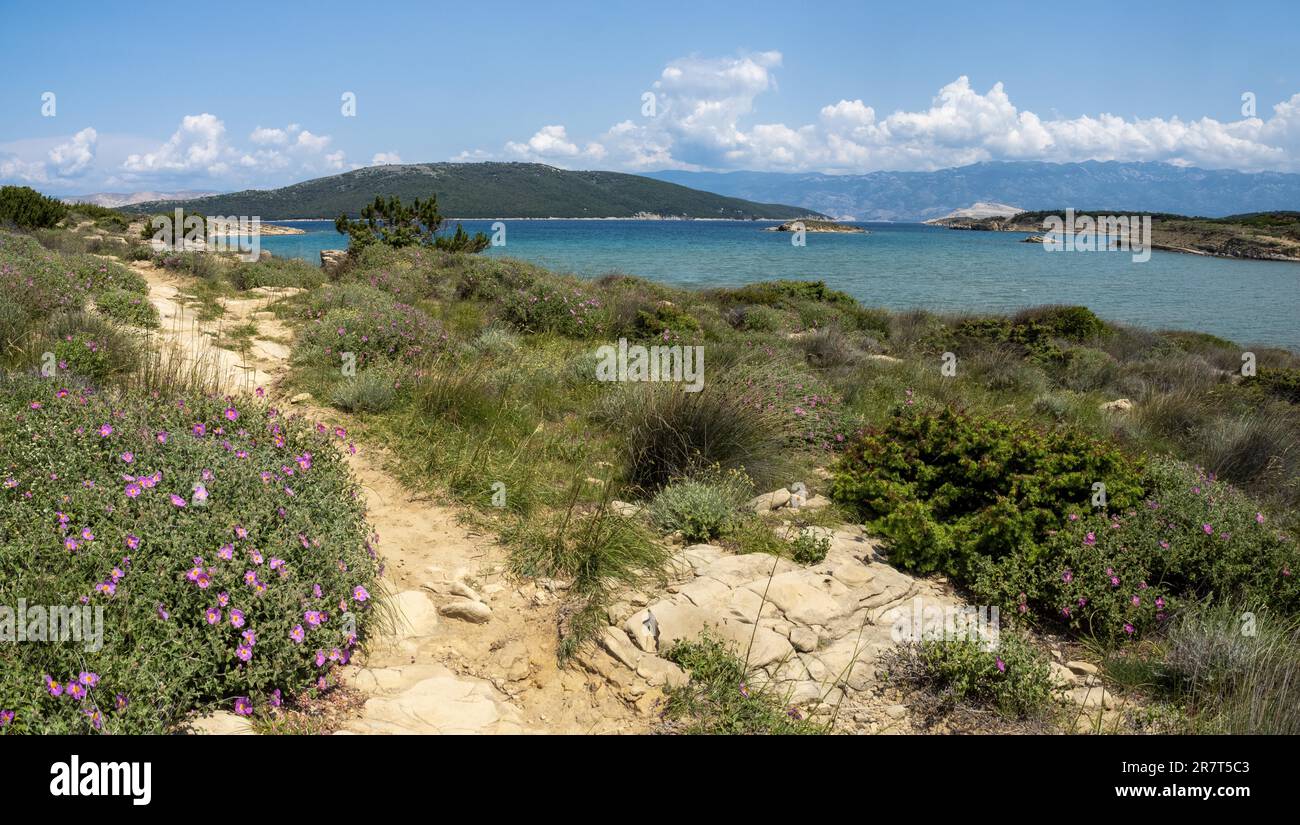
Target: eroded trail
x=471 y=652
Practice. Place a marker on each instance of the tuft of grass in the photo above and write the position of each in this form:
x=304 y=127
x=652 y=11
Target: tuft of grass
x=596 y=550
x=671 y=433
x=372 y=390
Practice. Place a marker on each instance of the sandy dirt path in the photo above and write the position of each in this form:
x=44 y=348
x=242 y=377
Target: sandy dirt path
x=473 y=651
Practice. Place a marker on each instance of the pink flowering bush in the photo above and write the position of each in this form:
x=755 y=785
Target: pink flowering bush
x=573 y=310
x=45 y=282
x=1119 y=575
x=368 y=323
x=225 y=545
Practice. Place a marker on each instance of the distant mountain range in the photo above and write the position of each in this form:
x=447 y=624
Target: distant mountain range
x=486 y=190
x=114 y=200
x=919 y=196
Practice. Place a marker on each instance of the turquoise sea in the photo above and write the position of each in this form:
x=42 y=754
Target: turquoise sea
x=902 y=266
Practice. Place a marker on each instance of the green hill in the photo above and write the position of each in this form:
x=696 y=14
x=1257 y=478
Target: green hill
x=485 y=190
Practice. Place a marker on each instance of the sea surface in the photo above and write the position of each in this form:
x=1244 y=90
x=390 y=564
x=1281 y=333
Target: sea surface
x=901 y=266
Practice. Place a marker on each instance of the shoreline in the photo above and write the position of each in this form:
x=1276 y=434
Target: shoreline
x=638 y=220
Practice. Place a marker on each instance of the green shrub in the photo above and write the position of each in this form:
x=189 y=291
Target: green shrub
x=786 y=294
x=132 y=505
x=490 y=279
x=1015 y=678
x=1088 y=369
x=722 y=697
x=89 y=346
x=809 y=548
x=26 y=208
x=14 y=325
x=1072 y=323
x=1027 y=338
x=945 y=488
x=371 y=390
x=1120 y=575
x=367 y=323
x=701 y=508
x=1283 y=383
x=565 y=309
x=760 y=318
x=127 y=307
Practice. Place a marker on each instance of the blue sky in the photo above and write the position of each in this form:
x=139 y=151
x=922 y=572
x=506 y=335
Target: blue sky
x=252 y=96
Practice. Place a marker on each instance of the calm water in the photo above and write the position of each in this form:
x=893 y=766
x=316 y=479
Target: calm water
x=902 y=266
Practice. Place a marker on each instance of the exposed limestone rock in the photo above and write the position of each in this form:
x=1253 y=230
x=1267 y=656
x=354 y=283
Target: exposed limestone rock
x=466 y=610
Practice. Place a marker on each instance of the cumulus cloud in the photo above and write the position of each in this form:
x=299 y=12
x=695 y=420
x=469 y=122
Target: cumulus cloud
x=385 y=158
x=702 y=112
x=72 y=158
x=14 y=168
x=197 y=145
x=264 y=136
x=551 y=143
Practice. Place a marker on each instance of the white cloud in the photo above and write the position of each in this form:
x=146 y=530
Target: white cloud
x=197 y=145
x=312 y=143
x=13 y=168
x=385 y=158
x=704 y=108
x=263 y=136
x=72 y=158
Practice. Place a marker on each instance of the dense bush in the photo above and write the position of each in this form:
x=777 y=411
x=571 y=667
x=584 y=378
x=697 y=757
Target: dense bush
x=127 y=307
x=1121 y=574
x=947 y=487
x=371 y=390
x=44 y=282
x=26 y=208
x=562 y=308
x=1014 y=678
x=366 y=322
x=701 y=508
x=226 y=547
x=1281 y=383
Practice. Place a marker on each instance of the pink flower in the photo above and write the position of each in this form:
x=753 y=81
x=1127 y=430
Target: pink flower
x=178 y=501
x=1090 y=539
x=1209 y=531
x=243 y=707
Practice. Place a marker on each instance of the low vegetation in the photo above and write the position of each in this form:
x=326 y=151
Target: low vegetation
x=1008 y=470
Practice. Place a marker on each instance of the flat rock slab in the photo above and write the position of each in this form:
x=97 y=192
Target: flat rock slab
x=443 y=704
